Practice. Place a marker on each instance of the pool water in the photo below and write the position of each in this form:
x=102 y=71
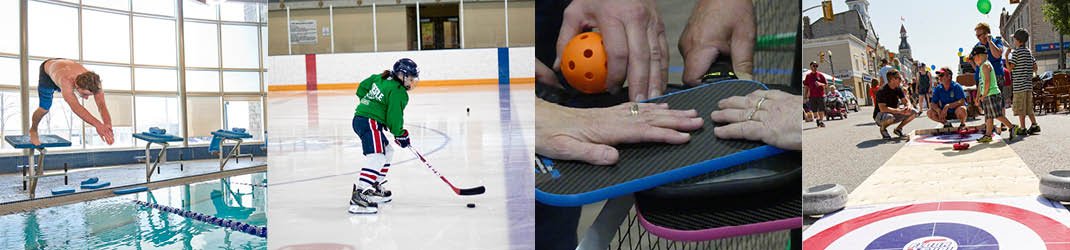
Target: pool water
x=119 y=223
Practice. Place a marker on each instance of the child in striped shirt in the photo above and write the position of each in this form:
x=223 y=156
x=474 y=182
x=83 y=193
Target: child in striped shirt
x=1023 y=65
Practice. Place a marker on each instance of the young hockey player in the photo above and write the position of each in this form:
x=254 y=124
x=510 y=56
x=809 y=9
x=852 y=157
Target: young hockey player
x=382 y=104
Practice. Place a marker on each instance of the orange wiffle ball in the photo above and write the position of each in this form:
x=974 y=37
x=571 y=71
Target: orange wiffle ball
x=583 y=62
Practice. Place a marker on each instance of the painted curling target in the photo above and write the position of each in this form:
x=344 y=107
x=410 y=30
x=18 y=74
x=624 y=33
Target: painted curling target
x=950 y=225
x=947 y=139
x=936 y=236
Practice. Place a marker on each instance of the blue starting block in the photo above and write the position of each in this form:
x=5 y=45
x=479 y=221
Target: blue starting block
x=37 y=170
x=237 y=135
x=160 y=137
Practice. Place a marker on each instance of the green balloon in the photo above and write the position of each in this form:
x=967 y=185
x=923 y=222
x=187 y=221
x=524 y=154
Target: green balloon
x=984 y=6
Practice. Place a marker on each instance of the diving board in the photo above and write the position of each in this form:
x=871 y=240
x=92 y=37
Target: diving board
x=37 y=170
x=236 y=135
x=159 y=137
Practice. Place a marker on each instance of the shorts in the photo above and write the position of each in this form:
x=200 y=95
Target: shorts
x=993 y=106
x=1023 y=103
x=950 y=115
x=370 y=131
x=45 y=88
x=1007 y=92
x=883 y=116
x=817 y=104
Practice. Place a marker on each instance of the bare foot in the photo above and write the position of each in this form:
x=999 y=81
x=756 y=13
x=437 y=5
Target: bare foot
x=33 y=138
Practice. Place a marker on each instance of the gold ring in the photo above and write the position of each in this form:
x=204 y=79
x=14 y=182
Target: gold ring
x=759 y=106
x=635 y=109
x=750 y=117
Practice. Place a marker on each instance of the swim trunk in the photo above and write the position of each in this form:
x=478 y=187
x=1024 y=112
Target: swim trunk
x=45 y=87
x=370 y=131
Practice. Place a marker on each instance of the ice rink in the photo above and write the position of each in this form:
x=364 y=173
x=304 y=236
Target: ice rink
x=315 y=158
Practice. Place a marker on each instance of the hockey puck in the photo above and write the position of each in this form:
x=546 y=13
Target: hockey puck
x=471 y=205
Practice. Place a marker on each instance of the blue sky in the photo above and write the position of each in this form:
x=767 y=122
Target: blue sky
x=935 y=29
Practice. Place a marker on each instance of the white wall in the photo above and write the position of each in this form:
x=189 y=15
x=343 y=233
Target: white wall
x=454 y=64
x=286 y=70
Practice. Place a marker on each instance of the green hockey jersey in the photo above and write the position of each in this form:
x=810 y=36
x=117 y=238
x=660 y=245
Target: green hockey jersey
x=383 y=100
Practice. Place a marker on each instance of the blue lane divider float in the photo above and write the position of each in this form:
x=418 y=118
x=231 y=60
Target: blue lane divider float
x=96 y=185
x=235 y=225
x=62 y=190
x=91 y=180
x=131 y=190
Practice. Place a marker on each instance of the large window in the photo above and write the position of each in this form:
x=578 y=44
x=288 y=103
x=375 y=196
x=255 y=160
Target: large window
x=226 y=66
x=160 y=112
x=133 y=46
x=202 y=44
x=58 y=30
x=10 y=116
x=245 y=112
x=154 y=41
x=9 y=71
x=9 y=25
x=105 y=37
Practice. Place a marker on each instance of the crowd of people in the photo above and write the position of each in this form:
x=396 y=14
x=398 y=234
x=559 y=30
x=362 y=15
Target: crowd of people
x=1003 y=77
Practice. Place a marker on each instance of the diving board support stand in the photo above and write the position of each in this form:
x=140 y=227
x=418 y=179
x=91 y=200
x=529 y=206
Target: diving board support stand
x=234 y=152
x=36 y=168
x=162 y=139
x=161 y=159
x=237 y=138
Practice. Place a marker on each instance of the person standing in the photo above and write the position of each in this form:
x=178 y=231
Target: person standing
x=383 y=98
x=992 y=100
x=924 y=86
x=815 y=84
x=995 y=53
x=1023 y=65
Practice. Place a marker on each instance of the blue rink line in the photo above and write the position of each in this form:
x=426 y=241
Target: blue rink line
x=436 y=149
x=519 y=200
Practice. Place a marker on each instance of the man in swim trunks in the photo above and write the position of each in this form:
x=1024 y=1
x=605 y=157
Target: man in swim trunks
x=73 y=81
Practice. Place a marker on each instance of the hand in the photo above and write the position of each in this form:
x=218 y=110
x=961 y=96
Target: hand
x=718 y=27
x=589 y=134
x=106 y=134
x=634 y=39
x=403 y=139
x=545 y=75
x=775 y=123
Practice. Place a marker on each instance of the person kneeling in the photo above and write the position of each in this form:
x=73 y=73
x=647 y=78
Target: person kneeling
x=893 y=106
x=948 y=100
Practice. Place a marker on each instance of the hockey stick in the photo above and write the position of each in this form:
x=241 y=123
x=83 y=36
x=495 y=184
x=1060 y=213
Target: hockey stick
x=460 y=191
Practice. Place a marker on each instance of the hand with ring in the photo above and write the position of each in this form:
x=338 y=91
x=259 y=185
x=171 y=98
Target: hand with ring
x=588 y=134
x=770 y=116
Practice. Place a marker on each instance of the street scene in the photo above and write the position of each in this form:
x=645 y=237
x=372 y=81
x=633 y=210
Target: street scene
x=923 y=126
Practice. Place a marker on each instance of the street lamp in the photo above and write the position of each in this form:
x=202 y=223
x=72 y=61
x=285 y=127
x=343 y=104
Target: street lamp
x=833 y=69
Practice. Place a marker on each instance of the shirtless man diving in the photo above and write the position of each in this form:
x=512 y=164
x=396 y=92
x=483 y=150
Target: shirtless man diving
x=72 y=80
